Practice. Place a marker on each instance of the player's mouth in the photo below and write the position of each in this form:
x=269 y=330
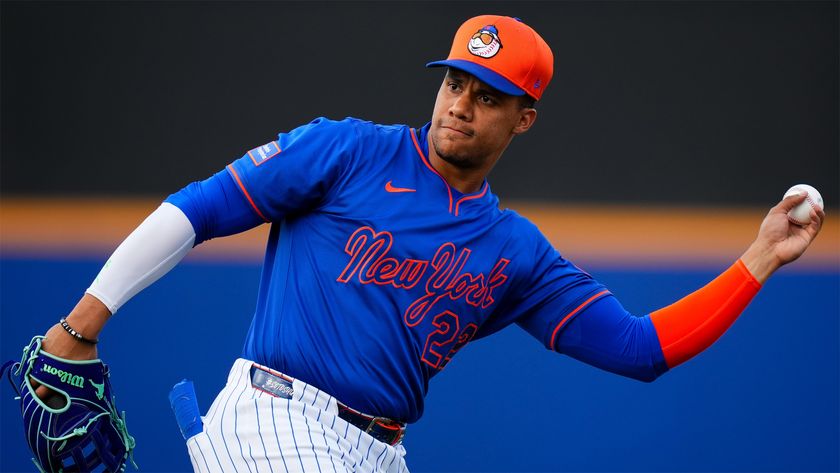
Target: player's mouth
x=457 y=130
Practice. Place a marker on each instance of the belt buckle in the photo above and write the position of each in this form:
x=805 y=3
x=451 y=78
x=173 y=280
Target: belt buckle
x=373 y=422
x=387 y=423
x=384 y=424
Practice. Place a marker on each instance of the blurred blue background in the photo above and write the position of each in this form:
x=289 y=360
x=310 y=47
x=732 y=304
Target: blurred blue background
x=764 y=398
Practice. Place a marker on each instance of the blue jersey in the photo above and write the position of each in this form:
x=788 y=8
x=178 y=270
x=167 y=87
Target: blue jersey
x=377 y=272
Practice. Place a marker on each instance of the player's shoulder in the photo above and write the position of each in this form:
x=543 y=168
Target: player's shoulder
x=530 y=248
x=520 y=233
x=367 y=128
x=361 y=128
x=518 y=222
x=326 y=124
x=359 y=124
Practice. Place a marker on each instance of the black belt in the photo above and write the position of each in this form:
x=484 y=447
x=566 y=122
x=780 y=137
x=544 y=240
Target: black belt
x=381 y=428
x=279 y=385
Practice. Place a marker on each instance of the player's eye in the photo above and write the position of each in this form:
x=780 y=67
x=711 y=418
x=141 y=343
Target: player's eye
x=454 y=86
x=486 y=99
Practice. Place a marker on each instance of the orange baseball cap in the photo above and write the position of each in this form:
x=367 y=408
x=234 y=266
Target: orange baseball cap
x=503 y=52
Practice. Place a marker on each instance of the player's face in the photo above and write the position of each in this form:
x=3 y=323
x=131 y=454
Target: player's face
x=473 y=123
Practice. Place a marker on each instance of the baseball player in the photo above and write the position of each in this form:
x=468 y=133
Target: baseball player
x=387 y=254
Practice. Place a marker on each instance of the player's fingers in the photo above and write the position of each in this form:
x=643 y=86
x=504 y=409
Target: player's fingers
x=790 y=202
x=43 y=392
x=817 y=216
x=820 y=213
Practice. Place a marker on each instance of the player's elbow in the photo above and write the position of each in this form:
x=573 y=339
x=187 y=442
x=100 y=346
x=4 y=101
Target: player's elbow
x=644 y=369
x=647 y=376
x=646 y=373
x=641 y=361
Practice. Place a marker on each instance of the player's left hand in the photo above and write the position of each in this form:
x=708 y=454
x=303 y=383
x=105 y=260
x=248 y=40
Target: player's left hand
x=779 y=240
x=77 y=429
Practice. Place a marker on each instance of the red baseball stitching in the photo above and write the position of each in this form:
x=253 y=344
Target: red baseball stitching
x=813 y=206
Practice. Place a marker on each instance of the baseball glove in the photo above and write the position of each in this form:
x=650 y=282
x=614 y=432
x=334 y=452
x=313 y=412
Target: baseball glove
x=79 y=429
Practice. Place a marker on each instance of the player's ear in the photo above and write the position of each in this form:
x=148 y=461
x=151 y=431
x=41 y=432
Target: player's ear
x=527 y=117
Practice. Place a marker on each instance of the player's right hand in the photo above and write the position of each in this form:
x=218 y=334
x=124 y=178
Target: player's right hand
x=779 y=241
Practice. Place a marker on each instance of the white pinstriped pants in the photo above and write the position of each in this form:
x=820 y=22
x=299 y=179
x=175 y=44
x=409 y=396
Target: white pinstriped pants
x=249 y=431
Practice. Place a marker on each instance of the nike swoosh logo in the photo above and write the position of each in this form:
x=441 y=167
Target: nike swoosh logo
x=391 y=188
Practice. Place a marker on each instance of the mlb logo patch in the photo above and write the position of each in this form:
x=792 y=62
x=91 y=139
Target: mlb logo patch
x=264 y=153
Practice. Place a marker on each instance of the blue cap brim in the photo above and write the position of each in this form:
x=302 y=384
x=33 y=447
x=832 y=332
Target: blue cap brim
x=485 y=75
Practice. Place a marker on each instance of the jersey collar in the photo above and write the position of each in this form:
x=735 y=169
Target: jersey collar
x=458 y=202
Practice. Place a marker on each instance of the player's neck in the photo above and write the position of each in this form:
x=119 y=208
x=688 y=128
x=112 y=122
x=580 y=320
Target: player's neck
x=466 y=181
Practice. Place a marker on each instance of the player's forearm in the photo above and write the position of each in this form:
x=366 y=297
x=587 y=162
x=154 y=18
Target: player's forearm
x=149 y=252
x=760 y=261
x=89 y=317
x=152 y=250
x=692 y=324
x=202 y=210
x=643 y=348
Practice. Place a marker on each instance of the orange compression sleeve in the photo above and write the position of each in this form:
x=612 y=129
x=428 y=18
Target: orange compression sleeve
x=692 y=324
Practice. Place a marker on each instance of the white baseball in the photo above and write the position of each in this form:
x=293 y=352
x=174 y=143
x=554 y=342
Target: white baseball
x=801 y=214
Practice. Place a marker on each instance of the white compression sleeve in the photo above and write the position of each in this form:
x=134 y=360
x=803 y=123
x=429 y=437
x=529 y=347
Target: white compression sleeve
x=152 y=249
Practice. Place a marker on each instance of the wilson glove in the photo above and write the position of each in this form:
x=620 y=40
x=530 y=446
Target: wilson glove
x=77 y=430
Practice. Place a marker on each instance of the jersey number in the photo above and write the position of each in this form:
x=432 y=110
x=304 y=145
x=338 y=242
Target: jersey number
x=447 y=328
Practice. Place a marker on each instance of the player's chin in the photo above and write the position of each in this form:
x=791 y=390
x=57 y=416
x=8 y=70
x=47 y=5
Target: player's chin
x=459 y=160
x=453 y=144
x=458 y=150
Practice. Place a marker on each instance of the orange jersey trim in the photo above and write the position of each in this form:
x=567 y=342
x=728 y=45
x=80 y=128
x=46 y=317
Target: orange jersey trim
x=245 y=191
x=695 y=322
x=575 y=311
x=428 y=165
x=470 y=197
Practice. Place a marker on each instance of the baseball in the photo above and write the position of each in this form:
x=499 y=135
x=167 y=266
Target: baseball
x=801 y=214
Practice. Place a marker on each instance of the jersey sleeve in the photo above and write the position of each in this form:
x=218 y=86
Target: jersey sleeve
x=606 y=336
x=299 y=170
x=571 y=313
x=548 y=291
x=558 y=292
x=215 y=207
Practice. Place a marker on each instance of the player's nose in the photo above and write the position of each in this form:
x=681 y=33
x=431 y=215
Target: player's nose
x=461 y=107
